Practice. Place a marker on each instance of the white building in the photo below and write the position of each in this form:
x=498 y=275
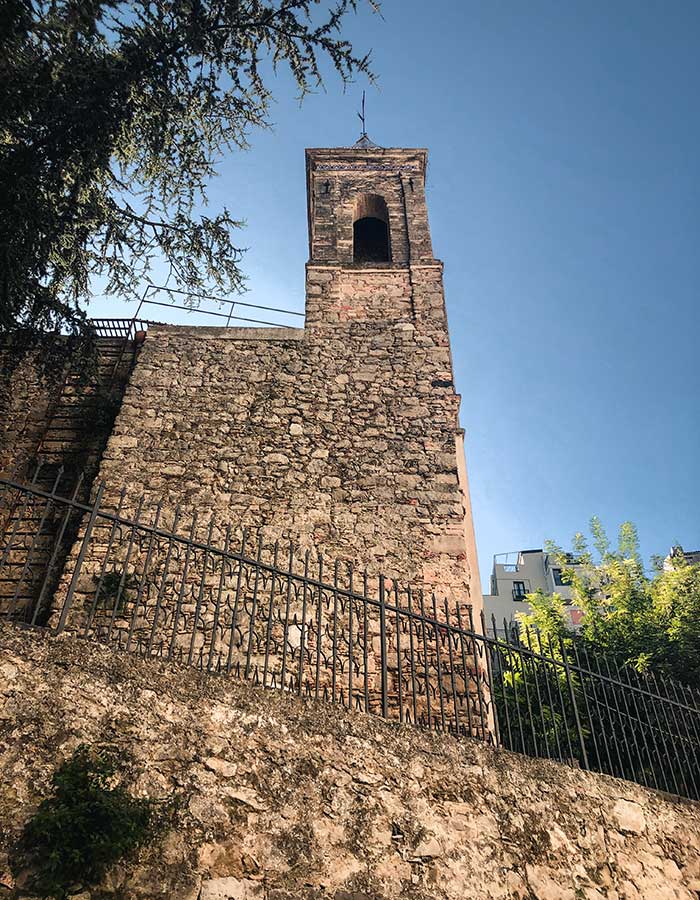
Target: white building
x=692 y=557
x=520 y=573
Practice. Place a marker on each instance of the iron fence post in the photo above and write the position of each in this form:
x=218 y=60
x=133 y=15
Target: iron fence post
x=382 y=641
x=68 y=602
x=574 y=705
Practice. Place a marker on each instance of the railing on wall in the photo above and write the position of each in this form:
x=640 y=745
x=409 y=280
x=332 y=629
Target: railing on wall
x=159 y=583
x=217 y=311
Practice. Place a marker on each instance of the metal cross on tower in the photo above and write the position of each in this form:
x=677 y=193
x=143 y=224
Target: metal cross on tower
x=361 y=117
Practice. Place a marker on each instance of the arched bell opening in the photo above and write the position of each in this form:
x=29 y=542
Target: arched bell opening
x=370 y=230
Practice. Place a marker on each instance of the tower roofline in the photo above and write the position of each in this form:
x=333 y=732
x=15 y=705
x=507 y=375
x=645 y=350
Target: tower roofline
x=377 y=155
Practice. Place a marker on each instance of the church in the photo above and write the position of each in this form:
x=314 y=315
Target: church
x=289 y=503
x=341 y=436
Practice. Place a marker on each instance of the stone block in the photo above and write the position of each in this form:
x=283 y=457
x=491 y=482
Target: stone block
x=629 y=817
x=123 y=442
x=231 y=889
x=221 y=766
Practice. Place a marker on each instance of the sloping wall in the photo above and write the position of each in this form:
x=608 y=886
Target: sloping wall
x=284 y=799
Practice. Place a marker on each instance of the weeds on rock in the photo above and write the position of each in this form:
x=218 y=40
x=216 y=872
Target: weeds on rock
x=86 y=824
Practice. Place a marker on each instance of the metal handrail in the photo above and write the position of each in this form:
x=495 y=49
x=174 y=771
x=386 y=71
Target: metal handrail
x=127 y=328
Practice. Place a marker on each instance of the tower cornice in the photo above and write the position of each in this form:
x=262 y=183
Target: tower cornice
x=382 y=159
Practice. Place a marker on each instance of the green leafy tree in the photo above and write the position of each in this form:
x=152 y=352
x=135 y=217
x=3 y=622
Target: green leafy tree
x=85 y=825
x=113 y=116
x=649 y=622
x=589 y=695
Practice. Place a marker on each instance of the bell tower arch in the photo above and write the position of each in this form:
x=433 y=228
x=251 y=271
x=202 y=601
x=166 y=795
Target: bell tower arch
x=370 y=249
x=370 y=230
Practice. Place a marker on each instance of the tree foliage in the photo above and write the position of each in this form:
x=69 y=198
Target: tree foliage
x=87 y=823
x=650 y=622
x=113 y=117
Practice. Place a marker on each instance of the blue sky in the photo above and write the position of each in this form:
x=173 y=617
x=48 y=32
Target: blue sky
x=564 y=199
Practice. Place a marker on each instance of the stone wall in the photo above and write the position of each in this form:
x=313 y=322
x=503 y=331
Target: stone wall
x=26 y=401
x=342 y=437
x=288 y=800
x=54 y=425
x=59 y=416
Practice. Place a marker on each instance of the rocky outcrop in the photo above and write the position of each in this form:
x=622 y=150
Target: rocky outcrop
x=282 y=799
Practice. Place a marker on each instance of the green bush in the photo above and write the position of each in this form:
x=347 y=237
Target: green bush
x=86 y=824
x=115 y=592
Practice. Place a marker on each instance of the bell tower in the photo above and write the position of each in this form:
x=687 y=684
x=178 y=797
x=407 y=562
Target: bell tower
x=375 y=315
x=368 y=221
x=350 y=189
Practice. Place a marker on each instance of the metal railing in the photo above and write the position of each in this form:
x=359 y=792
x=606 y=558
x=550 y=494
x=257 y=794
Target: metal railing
x=125 y=329
x=227 y=313
x=560 y=701
x=150 y=582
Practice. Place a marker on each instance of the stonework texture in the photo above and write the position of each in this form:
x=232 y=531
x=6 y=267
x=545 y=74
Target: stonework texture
x=281 y=799
x=58 y=417
x=54 y=425
x=25 y=403
x=342 y=436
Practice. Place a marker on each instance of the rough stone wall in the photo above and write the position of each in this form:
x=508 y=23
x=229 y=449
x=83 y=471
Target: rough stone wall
x=53 y=417
x=287 y=800
x=26 y=401
x=53 y=429
x=340 y=437
x=343 y=437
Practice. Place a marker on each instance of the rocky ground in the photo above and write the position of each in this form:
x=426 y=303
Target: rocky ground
x=283 y=799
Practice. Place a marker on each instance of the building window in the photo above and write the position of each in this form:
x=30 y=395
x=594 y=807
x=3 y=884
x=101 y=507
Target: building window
x=556 y=573
x=370 y=230
x=519 y=591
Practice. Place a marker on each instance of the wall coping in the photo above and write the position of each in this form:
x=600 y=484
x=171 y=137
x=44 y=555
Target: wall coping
x=236 y=333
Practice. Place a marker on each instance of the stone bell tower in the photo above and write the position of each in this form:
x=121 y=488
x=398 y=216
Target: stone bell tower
x=374 y=293
x=342 y=436
x=368 y=222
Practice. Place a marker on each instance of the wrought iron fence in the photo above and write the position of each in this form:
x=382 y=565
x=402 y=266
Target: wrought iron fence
x=557 y=700
x=216 y=598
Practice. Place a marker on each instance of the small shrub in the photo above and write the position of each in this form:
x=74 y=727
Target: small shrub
x=110 y=594
x=85 y=825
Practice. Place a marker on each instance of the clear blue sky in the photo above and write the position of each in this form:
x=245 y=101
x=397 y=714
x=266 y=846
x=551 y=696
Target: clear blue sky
x=564 y=199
